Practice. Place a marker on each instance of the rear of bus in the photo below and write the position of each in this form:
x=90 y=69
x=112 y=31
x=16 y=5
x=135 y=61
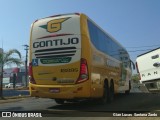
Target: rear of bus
x=58 y=67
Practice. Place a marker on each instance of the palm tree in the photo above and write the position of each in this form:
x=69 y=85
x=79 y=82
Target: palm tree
x=8 y=58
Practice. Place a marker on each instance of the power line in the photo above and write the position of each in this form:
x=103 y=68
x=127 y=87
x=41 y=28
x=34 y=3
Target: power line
x=145 y=46
x=139 y=50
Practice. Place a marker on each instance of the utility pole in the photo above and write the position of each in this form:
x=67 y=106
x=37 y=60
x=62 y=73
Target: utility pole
x=1 y=83
x=1 y=73
x=26 y=67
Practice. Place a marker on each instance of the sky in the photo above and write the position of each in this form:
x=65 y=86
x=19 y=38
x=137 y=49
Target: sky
x=133 y=23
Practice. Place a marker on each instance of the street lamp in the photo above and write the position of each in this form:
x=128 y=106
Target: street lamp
x=26 y=61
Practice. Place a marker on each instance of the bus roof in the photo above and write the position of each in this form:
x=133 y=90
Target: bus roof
x=58 y=15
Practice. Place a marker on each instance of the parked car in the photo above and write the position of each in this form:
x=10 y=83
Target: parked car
x=19 y=85
x=9 y=85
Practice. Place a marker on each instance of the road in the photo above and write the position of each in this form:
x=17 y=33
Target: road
x=122 y=102
x=137 y=102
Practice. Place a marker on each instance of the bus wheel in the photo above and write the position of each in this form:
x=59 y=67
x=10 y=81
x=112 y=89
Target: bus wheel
x=111 y=92
x=128 y=91
x=104 y=99
x=59 y=101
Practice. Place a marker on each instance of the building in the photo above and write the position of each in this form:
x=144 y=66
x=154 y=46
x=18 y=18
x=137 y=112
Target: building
x=9 y=72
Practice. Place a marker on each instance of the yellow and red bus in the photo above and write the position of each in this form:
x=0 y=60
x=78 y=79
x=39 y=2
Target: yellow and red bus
x=71 y=57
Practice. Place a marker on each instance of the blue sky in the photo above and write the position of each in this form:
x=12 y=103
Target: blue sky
x=134 y=23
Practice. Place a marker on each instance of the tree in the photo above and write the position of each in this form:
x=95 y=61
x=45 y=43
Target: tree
x=136 y=78
x=8 y=58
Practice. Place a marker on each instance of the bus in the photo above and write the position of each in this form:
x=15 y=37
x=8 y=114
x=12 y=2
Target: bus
x=72 y=58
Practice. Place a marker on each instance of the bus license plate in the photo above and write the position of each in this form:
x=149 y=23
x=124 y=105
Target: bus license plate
x=54 y=90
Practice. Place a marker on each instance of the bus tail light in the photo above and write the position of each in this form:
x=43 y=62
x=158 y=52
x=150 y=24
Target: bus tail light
x=83 y=75
x=31 y=78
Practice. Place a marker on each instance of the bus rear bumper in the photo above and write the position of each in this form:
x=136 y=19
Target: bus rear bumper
x=59 y=91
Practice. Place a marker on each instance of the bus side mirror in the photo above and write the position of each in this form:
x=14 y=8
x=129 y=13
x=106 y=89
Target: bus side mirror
x=132 y=63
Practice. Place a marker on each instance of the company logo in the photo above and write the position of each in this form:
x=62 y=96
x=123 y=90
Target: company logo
x=56 y=42
x=54 y=25
x=6 y=114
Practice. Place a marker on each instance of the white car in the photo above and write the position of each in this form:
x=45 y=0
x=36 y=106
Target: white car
x=17 y=85
x=148 y=67
x=9 y=85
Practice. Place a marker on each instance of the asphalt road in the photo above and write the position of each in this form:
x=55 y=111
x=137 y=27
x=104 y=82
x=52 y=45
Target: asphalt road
x=133 y=103
x=137 y=102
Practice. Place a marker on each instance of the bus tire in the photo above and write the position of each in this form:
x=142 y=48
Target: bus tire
x=111 y=92
x=128 y=91
x=104 y=99
x=59 y=101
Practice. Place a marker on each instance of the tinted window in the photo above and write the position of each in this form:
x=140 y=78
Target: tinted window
x=104 y=43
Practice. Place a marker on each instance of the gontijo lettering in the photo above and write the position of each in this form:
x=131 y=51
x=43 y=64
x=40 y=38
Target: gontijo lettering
x=57 y=42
